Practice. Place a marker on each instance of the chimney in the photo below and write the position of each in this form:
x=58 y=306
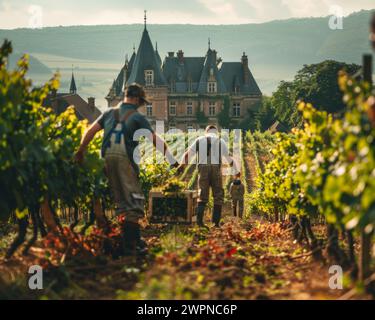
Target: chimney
x=170 y=54
x=245 y=68
x=180 y=55
x=91 y=103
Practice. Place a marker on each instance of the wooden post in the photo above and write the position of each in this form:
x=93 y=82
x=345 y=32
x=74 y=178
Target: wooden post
x=365 y=240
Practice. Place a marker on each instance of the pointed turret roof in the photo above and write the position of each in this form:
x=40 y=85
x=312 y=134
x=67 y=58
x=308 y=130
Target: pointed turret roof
x=157 y=54
x=131 y=62
x=210 y=70
x=146 y=59
x=73 y=87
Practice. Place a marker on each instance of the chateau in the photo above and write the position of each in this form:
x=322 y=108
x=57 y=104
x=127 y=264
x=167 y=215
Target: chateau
x=187 y=92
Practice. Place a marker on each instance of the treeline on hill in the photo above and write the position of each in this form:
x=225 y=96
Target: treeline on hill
x=315 y=84
x=275 y=44
x=325 y=171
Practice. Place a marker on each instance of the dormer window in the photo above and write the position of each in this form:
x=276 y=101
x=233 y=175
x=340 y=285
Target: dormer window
x=212 y=87
x=149 y=77
x=236 y=89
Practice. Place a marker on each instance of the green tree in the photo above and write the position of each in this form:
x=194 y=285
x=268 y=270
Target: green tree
x=265 y=116
x=316 y=84
x=284 y=103
x=259 y=117
x=250 y=120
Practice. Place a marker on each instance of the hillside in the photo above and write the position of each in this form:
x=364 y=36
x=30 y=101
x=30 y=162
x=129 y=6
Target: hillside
x=36 y=66
x=288 y=41
x=276 y=49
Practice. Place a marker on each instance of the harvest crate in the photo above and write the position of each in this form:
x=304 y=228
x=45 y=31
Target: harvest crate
x=173 y=209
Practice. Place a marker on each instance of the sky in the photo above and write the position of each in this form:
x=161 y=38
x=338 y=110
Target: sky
x=44 y=13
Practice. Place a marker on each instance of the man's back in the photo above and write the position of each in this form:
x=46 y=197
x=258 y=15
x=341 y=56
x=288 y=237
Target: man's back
x=210 y=149
x=134 y=121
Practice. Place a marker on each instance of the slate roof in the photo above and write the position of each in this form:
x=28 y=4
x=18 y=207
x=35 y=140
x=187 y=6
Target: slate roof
x=233 y=75
x=118 y=84
x=157 y=55
x=210 y=65
x=131 y=62
x=146 y=60
x=61 y=101
x=190 y=70
x=73 y=87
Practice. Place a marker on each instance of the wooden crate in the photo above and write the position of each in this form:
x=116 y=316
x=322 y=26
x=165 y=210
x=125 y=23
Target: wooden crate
x=173 y=209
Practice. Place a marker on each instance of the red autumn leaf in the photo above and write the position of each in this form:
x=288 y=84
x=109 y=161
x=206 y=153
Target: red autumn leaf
x=231 y=252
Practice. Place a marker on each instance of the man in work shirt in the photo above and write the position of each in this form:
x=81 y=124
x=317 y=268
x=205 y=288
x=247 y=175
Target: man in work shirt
x=210 y=150
x=120 y=124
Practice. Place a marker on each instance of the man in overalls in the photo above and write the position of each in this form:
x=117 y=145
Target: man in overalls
x=118 y=149
x=210 y=150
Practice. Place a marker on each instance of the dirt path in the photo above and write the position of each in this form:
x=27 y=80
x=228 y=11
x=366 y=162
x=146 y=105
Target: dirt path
x=256 y=260
x=242 y=260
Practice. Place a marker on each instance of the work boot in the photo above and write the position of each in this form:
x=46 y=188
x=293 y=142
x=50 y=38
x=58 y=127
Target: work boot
x=216 y=216
x=200 y=214
x=141 y=248
x=131 y=238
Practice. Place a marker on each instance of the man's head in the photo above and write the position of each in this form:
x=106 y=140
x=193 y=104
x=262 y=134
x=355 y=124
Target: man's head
x=211 y=129
x=135 y=94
